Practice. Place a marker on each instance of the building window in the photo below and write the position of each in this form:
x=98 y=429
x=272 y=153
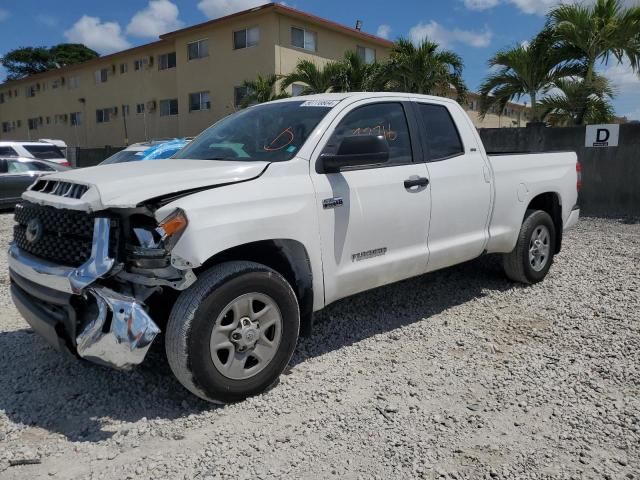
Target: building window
x=124 y=67
x=76 y=118
x=304 y=39
x=366 y=54
x=125 y=110
x=103 y=115
x=198 y=49
x=6 y=128
x=30 y=91
x=74 y=82
x=199 y=101
x=138 y=64
x=140 y=108
x=32 y=123
x=1 y=97
x=249 y=37
x=297 y=90
x=239 y=94
x=102 y=75
x=166 y=61
x=168 y=107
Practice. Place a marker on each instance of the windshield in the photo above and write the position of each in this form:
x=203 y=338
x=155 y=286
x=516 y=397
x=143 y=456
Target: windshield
x=124 y=156
x=271 y=133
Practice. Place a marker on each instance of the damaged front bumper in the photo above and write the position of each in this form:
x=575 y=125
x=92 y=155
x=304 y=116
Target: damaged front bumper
x=72 y=312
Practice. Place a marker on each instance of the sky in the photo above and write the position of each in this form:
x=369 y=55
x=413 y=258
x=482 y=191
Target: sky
x=475 y=29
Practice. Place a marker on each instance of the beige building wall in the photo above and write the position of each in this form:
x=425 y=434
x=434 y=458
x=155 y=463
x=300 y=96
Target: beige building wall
x=59 y=94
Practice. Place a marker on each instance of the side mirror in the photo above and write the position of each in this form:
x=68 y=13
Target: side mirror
x=356 y=151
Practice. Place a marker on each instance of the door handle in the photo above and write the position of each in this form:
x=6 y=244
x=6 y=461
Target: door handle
x=416 y=182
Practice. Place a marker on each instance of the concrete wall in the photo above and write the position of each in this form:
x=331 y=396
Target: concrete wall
x=611 y=176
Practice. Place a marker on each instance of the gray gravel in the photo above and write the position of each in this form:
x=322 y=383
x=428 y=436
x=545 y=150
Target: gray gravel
x=458 y=374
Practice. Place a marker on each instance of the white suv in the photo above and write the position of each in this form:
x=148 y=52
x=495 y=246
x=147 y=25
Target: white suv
x=37 y=150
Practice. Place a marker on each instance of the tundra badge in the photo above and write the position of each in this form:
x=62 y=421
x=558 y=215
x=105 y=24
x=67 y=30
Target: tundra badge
x=332 y=203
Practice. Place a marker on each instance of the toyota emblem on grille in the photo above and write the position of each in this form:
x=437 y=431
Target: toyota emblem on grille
x=34 y=230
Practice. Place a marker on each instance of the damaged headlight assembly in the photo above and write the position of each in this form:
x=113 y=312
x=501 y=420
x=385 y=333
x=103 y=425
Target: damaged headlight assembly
x=150 y=262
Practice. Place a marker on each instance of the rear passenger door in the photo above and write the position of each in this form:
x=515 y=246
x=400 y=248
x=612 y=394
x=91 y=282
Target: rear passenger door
x=373 y=219
x=460 y=185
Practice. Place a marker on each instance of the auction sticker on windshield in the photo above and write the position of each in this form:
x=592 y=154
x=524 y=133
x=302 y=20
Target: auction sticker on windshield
x=320 y=103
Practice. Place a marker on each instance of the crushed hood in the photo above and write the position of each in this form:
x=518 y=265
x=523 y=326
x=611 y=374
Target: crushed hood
x=125 y=185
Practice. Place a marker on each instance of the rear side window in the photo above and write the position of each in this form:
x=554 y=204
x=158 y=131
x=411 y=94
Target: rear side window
x=15 y=166
x=441 y=136
x=44 y=152
x=38 y=167
x=386 y=119
x=8 y=152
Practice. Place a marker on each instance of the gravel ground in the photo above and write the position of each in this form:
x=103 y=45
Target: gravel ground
x=457 y=374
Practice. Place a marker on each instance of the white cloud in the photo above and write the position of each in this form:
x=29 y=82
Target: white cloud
x=384 y=31
x=626 y=84
x=622 y=77
x=480 y=4
x=634 y=115
x=447 y=38
x=160 y=16
x=4 y=14
x=47 y=20
x=103 y=37
x=220 y=8
x=533 y=7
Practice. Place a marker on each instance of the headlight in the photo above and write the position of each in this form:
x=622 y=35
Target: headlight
x=172 y=228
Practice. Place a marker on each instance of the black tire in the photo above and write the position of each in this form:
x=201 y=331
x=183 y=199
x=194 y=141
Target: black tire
x=192 y=320
x=516 y=264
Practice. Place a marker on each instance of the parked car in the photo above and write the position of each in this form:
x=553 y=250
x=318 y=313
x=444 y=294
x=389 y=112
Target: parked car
x=268 y=216
x=16 y=174
x=36 y=150
x=155 y=150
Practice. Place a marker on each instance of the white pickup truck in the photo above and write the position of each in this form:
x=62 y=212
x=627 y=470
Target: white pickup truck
x=268 y=216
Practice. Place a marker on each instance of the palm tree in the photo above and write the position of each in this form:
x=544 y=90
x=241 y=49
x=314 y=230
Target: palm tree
x=592 y=34
x=260 y=90
x=576 y=102
x=527 y=69
x=423 y=68
x=316 y=79
x=356 y=75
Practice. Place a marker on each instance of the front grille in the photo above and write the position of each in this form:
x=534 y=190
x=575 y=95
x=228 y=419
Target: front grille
x=59 y=188
x=60 y=236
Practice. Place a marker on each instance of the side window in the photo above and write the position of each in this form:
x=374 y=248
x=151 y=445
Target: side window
x=15 y=167
x=3 y=166
x=38 y=167
x=386 y=119
x=441 y=134
x=8 y=152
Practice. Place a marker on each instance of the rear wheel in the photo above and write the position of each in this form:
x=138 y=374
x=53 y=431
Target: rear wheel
x=531 y=259
x=232 y=333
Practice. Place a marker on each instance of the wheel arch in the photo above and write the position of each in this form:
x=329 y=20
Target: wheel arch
x=550 y=202
x=287 y=257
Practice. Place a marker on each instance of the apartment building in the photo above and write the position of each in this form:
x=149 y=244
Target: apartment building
x=180 y=84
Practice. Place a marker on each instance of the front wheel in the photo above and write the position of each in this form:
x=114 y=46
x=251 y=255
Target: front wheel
x=232 y=333
x=531 y=259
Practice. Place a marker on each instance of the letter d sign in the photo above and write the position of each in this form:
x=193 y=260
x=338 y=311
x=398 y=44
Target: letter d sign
x=602 y=136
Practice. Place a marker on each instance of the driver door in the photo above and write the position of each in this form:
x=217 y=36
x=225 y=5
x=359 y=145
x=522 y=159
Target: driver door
x=374 y=219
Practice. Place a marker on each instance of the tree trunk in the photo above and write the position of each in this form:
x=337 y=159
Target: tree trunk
x=586 y=85
x=534 y=109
